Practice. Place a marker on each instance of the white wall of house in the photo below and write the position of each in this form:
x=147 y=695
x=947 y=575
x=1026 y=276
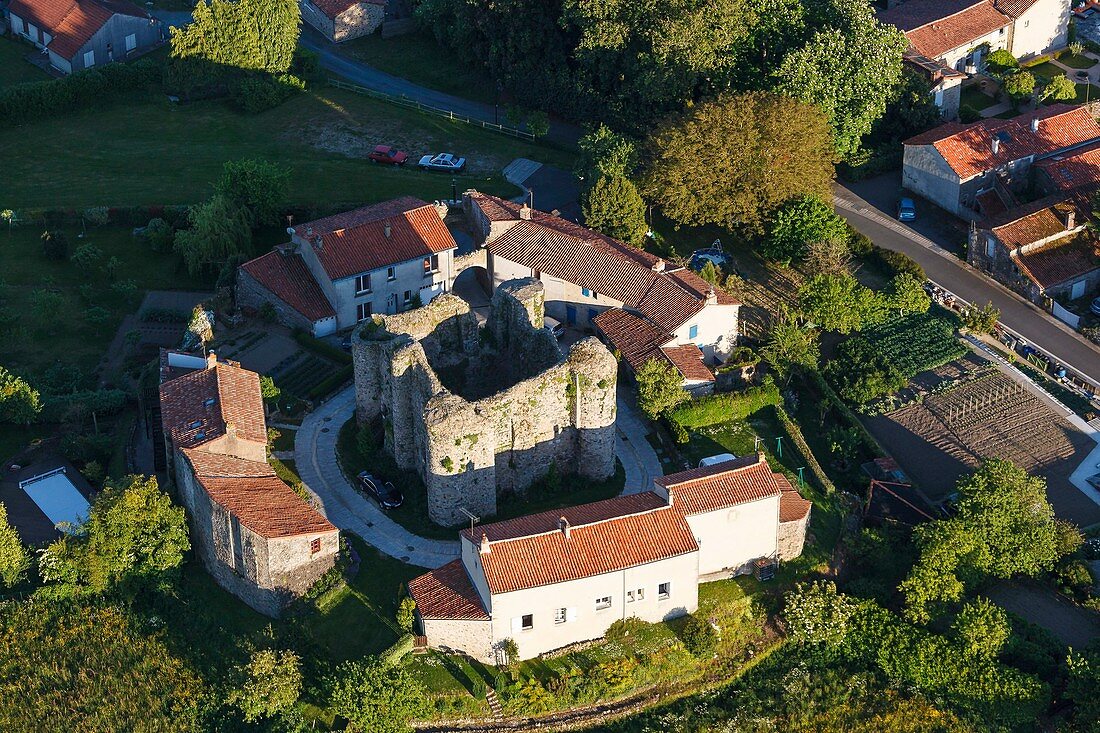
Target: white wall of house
x=1042 y=29
x=715 y=331
x=732 y=537
x=568 y=303
x=956 y=58
x=578 y=600
x=926 y=173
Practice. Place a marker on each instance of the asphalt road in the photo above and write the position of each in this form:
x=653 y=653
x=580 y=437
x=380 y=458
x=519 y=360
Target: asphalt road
x=1031 y=322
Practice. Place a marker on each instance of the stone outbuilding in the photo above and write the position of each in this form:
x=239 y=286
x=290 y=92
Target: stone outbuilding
x=257 y=538
x=343 y=20
x=479 y=412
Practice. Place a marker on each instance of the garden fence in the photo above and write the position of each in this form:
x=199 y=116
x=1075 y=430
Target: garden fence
x=404 y=101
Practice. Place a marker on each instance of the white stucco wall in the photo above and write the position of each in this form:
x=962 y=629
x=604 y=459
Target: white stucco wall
x=717 y=335
x=730 y=538
x=926 y=173
x=956 y=58
x=579 y=597
x=1042 y=29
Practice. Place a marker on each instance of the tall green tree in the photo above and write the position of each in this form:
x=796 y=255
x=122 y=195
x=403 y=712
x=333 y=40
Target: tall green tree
x=614 y=207
x=220 y=230
x=1059 y=89
x=839 y=303
x=1004 y=526
x=605 y=154
x=848 y=68
x=791 y=345
x=376 y=697
x=19 y=402
x=733 y=161
x=660 y=388
x=906 y=294
x=269 y=684
x=14 y=558
x=258 y=186
x=800 y=222
x=133 y=532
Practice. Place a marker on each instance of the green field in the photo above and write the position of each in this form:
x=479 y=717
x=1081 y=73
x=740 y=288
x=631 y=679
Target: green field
x=418 y=58
x=156 y=152
x=13 y=68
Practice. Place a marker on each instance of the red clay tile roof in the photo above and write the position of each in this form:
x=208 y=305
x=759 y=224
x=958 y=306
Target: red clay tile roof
x=688 y=360
x=266 y=505
x=968 y=149
x=355 y=242
x=72 y=23
x=727 y=484
x=447 y=593
x=792 y=507
x=935 y=27
x=288 y=278
x=333 y=8
x=1038 y=220
x=197 y=406
x=588 y=259
x=604 y=537
x=1079 y=169
x=1014 y=8
x=217 y=465
x=1061 y=260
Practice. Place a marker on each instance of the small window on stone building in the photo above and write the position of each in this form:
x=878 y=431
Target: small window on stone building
x=315 y=546
x=990 y=246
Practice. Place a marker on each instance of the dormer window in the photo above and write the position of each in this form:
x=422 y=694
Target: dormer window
x=210 y=402
x=201 y=435
x=196 y=424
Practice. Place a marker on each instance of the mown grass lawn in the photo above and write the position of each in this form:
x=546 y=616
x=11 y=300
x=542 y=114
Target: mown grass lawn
x=157 y=152
x=14 y=69
x=976 y=99
x=56 y=311
x=420 y=59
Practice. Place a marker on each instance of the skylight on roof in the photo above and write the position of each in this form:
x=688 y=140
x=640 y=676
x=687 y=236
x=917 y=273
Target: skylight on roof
x=210 y=402
x=200 y=435
x=1004 y=136
x=196 y=424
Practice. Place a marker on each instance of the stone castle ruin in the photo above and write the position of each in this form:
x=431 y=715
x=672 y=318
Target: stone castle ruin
x=479 y=412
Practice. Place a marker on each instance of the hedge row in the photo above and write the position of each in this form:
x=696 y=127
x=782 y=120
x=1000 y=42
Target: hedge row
x=321 y=348
x=795 y=434
x=868 y=166
x=329 y=384
x=718 y=408
x=869 y=443
x=400 y=649
x=82 y=90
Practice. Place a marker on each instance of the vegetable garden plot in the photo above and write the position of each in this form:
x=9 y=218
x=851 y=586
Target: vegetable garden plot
x=916 y=342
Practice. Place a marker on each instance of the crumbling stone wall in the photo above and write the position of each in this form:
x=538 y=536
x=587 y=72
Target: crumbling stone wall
x=792 y=537
x=518 y=405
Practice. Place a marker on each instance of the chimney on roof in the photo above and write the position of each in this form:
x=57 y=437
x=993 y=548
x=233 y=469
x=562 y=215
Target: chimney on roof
x=1035 y=124
x=387 y=229
x=671 y=500
x=760 y=457
x=211 y=360
x=659 y=265
x=712 y=297
x=1071 y=219
x=525 y=212
x=563 y=525
x=318 y=242
x=485 y=544
x=996 y=145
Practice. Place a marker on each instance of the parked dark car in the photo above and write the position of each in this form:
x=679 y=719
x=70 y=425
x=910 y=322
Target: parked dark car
x=387 y=496
x=388 y=156
x=907 y=210
x=1095 y=307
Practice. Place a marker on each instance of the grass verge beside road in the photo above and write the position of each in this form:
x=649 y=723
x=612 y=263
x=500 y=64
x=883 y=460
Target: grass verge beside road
x=162 y=153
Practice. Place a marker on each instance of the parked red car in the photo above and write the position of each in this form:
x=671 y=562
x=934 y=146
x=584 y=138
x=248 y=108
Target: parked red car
x=389 y=156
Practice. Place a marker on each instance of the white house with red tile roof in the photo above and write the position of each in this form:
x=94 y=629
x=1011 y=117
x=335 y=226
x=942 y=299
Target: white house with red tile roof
x=257 y=538
x=555 y=578
x=954 y=164
x=340 y=270
x=82 y=34
x=591 y=278
x=343 y=20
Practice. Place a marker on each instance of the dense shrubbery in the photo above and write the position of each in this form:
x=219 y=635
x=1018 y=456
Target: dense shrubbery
x=719 y=408
x=257 y=94
x=102 y=402
x=91 y=88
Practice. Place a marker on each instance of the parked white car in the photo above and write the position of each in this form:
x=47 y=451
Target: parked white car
x=442 y=162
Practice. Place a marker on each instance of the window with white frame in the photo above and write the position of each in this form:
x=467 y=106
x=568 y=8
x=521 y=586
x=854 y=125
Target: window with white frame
x=664 y=590
x=560 y=615
x=635 y=595
x=431 y=264
x=89 y=59
x=131 y=42
x=527 y=622
x=391 y=273
x=630 y=596
x=603 y=602
x=408 y=296
x=363 y=311
x=362 y=284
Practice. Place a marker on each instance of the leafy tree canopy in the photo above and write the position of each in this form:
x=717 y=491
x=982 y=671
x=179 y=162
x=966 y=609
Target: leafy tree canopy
x=133 y=532
x=1019 y=84
x=614 y=207
x=19 y=402
x=1060 y=89
x=606 y=154
x=730 y=162
x=906 y=293
x=14 y=558
x=270 y=683
x=660 y=388
x=839 y=303
x=376 y=697
x=220 y=230
x=791 y=345
x=260 y=187
x=800 y=222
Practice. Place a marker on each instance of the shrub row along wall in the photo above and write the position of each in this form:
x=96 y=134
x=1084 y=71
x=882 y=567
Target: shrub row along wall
x=723 y=407
x=869 y=443
x=82 y=90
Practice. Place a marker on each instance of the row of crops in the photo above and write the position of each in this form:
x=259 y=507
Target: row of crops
x=882 y=359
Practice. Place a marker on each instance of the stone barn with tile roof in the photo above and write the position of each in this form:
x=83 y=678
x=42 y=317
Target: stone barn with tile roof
x=259 y=539
x=343 y=20
x=556 y=578
x=482 y=412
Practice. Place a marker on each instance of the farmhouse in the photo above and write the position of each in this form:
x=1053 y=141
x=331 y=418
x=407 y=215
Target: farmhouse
x=340 y=270
x=552 y=579
x=643 y=306
x=1045 y=249
x=81 y=34
x=479 y=412
x=954 y=165
x=257 y=538
x=343 y=20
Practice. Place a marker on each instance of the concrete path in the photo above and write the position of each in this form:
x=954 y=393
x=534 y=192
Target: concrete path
x=315 y=457
x=639 y=460
x=1032 y=323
